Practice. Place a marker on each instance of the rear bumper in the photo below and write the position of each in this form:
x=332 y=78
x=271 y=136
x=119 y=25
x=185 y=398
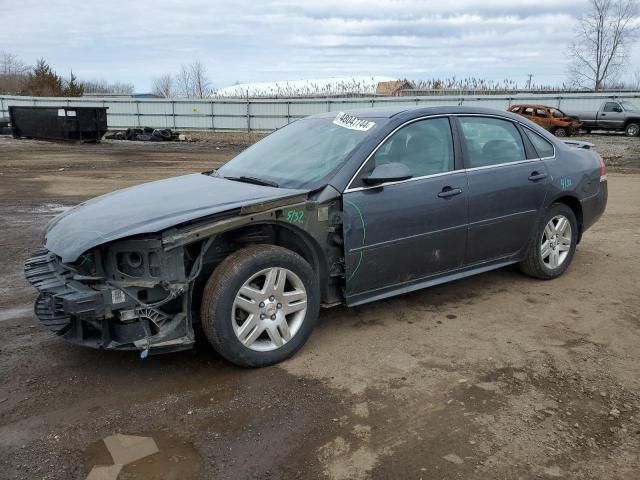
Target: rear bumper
x=594 y=206
x=82 y=313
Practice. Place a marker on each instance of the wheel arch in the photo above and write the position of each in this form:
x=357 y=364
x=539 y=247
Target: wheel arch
x=574 y=204
x=271 y=233
x=631 y=120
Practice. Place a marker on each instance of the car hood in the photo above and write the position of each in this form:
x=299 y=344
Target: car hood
x=150 y=207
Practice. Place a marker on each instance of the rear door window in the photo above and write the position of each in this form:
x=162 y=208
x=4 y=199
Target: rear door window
x=491 y=141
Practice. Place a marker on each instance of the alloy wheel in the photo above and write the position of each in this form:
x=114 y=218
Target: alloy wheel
x=556 y=241
x=269 y=309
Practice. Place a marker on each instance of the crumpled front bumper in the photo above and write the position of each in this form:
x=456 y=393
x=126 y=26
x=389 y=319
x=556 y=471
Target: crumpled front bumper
x=66 y=307
x=82 y=314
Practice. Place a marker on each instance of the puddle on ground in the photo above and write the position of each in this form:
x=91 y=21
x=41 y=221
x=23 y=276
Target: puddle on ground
x=217 y=422
x=176 y=459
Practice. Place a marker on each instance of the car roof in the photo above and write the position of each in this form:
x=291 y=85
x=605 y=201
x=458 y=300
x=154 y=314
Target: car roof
x=535 y=105
x=412 y=112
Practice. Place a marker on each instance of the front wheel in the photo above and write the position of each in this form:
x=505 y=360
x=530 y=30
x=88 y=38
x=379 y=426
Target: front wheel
x=260 y=305
x=554 y=243
x=632 y=130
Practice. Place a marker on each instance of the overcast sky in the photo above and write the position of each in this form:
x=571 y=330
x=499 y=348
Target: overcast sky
x=286 y=40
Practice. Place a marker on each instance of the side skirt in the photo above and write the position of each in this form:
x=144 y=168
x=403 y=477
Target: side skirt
x=386 y=292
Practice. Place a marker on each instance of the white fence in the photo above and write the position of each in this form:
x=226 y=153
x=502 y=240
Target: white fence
x=256 y=114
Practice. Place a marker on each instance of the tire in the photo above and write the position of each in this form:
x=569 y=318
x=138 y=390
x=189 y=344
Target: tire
x=132 y=133
x=161 y=134
x=222 y=308
x=632 y=129
x=143 y=138
x=541 y=266
x=560 y=132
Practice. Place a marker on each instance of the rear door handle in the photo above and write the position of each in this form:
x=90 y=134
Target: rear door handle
x=450 y=192
x=535 y=176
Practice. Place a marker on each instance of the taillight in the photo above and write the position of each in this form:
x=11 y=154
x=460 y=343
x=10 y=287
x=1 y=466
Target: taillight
x=603 y=168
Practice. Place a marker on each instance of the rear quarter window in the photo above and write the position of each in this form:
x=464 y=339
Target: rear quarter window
x=543 y=146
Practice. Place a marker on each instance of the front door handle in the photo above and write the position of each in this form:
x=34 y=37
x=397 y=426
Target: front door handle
x=535 y=176
x=450 y=192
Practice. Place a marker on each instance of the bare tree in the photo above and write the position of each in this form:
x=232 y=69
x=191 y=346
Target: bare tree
x=163 y=86
x=13 y=73
x=183 y=82
x=199 y=80
x=603 y=33
x=102 y=86
x=11 y=64
x=192 y=81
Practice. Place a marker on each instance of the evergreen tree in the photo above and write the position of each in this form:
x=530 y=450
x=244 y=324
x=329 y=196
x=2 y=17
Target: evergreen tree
x=43 y=81
x=73 y=88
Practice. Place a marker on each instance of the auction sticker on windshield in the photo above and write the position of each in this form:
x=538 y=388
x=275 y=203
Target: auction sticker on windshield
x=353 y=123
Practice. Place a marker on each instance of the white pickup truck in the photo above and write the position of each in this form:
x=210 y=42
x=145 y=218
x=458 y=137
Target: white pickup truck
x=612 y=115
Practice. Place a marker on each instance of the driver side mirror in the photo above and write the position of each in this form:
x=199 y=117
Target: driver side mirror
x=388 y=172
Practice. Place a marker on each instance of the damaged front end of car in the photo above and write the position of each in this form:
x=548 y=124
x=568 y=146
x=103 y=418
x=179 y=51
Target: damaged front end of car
x=130 y=295
x=143 y=292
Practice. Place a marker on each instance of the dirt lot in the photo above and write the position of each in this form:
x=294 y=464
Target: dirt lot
x=493 y=377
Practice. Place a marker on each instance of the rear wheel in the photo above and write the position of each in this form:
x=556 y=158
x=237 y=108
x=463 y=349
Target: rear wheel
x=260 y=305
x=632 y=130
x=553 y=245
x=560 y=132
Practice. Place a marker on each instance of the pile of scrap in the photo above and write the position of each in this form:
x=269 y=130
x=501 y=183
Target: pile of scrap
x=147 y=134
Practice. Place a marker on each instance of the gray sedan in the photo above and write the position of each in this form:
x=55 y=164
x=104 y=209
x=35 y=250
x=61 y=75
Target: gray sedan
x=338 y=208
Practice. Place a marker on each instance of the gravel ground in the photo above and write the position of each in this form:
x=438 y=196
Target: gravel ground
x=493 y=377
x=621 y=154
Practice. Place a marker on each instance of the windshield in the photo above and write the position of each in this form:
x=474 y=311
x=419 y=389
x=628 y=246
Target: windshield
x=629 y=107
x=302 y=153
